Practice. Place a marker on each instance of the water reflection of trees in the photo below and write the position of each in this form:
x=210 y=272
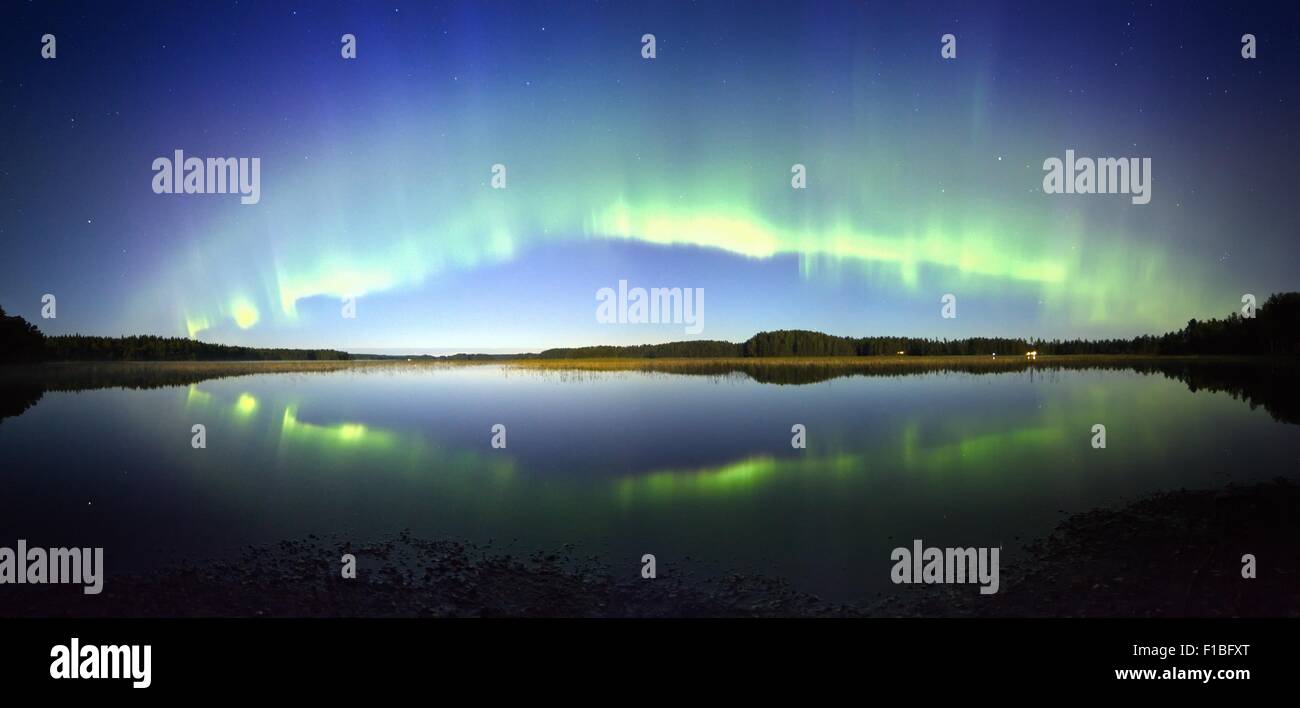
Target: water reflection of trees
x=16 y=398
x=1271 y=383
x=22 y=386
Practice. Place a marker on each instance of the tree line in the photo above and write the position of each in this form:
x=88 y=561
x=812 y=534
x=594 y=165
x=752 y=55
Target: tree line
x=1274 y=330
x=21 y=341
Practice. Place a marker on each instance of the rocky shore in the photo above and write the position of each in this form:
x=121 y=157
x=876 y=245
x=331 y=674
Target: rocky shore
x=1172 y=554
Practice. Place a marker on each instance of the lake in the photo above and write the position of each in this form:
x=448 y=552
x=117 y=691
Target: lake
x=623 y=463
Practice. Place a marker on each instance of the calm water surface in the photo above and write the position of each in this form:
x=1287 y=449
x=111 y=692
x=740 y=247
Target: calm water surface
x=619 y=463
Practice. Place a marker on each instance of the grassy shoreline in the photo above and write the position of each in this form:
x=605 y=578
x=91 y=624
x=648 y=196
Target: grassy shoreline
x=273 y=365
x=853 y=362
x=149 y=374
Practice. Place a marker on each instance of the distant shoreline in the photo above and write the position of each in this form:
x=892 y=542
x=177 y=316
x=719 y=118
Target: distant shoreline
x=256 y=366
x=1272 y=330
x=535 y=362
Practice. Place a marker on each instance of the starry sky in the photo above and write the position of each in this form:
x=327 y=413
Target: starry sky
x=924 y=175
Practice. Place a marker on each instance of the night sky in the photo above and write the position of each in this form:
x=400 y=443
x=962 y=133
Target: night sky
x=924 y=175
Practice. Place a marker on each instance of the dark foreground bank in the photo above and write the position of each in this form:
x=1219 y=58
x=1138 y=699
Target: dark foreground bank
x=1172 y=554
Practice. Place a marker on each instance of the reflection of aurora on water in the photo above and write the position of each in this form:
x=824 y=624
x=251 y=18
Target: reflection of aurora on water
x=355 y=440
x=963 y=442
x=701 y=465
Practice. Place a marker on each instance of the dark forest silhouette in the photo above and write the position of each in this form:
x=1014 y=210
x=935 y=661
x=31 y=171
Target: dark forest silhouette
x=20 y=341
x=1275 y=330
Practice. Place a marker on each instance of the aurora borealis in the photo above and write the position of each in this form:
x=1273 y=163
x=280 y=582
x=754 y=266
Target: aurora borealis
x=924 y=174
